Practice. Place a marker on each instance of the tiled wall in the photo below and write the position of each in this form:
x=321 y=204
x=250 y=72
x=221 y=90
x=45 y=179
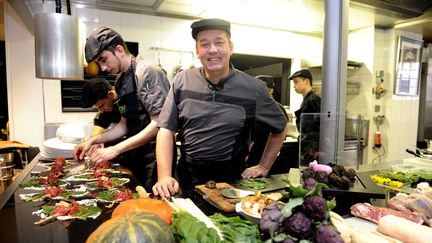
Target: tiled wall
x=399 y=130
x=175 y=35
x=368 y=46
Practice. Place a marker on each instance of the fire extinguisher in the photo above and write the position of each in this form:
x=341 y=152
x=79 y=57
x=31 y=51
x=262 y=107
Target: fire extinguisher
x=377 y=139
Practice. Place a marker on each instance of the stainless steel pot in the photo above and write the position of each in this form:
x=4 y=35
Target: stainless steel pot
x=6 y=159
x=6 y=171
x=4 y=183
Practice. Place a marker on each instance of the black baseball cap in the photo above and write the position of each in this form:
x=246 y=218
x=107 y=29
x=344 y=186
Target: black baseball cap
x=210 y=24
x=94 y=90
x=302 y=73
x=267 y=79
x=100 y=40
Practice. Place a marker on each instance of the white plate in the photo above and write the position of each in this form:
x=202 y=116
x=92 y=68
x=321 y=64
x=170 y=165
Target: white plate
x=253 y=218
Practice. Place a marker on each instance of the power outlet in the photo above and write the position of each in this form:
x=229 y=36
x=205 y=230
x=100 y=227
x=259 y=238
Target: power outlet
x=377 y=108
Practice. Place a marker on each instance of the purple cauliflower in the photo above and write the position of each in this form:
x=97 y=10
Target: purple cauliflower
x=271 y=218
x=328 y=234
x=315 y=207
x=298 y=225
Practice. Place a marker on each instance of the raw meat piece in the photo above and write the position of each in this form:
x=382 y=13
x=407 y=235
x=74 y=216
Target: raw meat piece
x=123 y=195
x=373 y=213
x=399 y=202
x=53 y=191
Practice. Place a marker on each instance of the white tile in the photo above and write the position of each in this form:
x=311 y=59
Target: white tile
x=87 y=15
x=131 y=33
x=109 y=18
x=131 y=20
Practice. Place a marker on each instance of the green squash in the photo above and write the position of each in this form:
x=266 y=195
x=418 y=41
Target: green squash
x=137 y=227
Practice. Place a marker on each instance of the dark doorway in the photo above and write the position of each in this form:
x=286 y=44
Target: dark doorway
x=4 y=117
x=277 y=67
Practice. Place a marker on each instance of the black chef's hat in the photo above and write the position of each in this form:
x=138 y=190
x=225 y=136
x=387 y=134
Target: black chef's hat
x=302 y=73
x=267 y=79
x=100 y=40
x=210 y=24
x=94 y=90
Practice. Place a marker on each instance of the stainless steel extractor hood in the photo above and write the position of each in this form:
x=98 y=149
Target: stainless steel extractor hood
x=58 y=47
x=397 y=8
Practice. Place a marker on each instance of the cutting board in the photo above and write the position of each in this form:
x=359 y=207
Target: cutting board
x=214 y=197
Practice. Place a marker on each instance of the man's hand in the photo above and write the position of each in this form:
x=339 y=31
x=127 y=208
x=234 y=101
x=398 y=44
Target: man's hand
x=103 y=154
x=166 y=186
x=81 y=150
x=255 y=171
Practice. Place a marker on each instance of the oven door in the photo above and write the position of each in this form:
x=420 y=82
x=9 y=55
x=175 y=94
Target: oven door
x=352 y=154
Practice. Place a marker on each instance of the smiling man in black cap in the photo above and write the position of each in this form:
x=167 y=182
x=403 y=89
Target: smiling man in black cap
x=309 y=130
x=213 y=108
x=142 y=90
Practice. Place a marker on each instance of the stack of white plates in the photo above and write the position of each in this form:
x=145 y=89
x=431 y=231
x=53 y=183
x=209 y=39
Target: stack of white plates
x=54 y=147
x=72 y=132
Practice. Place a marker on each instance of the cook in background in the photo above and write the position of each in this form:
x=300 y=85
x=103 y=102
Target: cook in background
x=101 y=95
x=142 y=89
x=261 y=132
x=213 y=108
x=309 y=130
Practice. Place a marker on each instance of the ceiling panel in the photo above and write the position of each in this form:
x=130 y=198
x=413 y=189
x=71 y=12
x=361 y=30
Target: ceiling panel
x=188 y=7
x=131 y=3
x=302 y=16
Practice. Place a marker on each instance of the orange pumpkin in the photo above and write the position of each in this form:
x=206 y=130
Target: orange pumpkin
x=158 y=207
x=92 y=68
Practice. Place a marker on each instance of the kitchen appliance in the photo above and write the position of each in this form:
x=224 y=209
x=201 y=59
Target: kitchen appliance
x=6 y=166
x=58 y=47
x=356 y=140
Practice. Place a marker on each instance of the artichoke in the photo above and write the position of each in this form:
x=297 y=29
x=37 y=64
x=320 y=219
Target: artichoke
x=328 y=234
x=315 y=208
x=271 y=217
x=298 y=225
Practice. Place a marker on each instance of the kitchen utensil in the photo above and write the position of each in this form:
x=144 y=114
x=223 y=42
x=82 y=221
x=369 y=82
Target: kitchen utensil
x=425 y=153
x=6 y=171
x=429 y=144
x=413 y=153
x=6 y=159
x=236 y=193
x=419 y=153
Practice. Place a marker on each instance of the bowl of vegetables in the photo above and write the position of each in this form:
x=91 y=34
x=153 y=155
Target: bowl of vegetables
x=251 y=207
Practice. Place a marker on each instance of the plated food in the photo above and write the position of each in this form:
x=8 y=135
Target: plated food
x=94 y=175
x=55 y=192
x=42 y=182
x=64 y=210
x=251 y=207
x=116 y=195
x=107 y=183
